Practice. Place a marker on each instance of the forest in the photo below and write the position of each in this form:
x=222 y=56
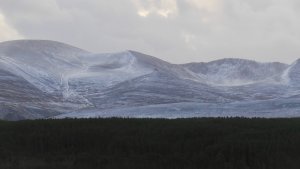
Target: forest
x=124 y=143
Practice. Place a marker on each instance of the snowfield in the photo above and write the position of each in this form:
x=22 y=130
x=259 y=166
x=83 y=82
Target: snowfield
x=47 y=79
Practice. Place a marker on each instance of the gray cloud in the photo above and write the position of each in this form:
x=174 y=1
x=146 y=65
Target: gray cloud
x=175 y=30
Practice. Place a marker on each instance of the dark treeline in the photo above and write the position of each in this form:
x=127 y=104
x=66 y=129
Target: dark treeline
x=222 y=143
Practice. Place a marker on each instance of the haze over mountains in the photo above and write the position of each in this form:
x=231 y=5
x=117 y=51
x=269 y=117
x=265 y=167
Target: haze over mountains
x=47 y=79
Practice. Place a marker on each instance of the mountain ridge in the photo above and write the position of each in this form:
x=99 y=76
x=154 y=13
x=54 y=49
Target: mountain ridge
x=52 y=79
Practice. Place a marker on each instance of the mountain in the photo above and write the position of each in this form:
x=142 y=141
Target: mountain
x=292 y=74
x=236 y=71
x=31 y=77
x=48 y=79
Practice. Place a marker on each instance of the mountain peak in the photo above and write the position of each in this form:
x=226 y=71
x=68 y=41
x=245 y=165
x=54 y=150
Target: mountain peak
x=297 y=61
x=232 y=60
x=232 y=71
x=38 y=76
x=31 y=41
x=38 y=45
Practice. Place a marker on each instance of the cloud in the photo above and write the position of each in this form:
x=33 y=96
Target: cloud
x=163 y=8
x=6 y=31
x=175 y=30
x=206 y=5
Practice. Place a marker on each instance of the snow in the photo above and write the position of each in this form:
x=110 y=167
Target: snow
x=236 y=72
x=292 y=74
x=62 y=79
x=286 y=75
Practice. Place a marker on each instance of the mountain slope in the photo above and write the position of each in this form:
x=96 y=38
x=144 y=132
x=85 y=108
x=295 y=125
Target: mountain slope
x=42 y=63
x=292 y=74
x=44 y=79
x=236 y=71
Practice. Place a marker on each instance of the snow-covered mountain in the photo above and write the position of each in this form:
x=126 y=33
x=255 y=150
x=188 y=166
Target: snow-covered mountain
x=236 y=71
x=46 y=79
x=292 y=74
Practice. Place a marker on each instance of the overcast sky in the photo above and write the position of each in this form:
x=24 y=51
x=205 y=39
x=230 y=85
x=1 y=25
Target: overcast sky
x=178 y=31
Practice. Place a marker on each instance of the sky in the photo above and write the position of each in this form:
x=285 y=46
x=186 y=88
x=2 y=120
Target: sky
x=178 y=31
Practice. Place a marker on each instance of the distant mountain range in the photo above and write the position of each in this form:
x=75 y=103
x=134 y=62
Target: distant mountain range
x=47 y=79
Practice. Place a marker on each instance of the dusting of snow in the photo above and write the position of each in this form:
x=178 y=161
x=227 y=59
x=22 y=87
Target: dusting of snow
x=77 y=83
x=286 y=75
